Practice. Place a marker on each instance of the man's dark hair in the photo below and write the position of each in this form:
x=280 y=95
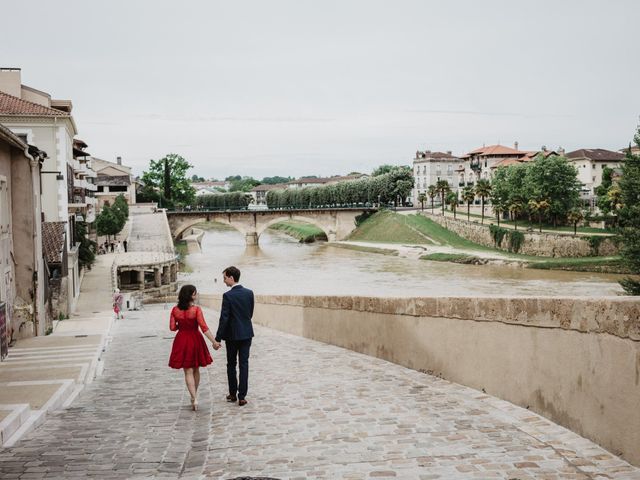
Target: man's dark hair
x=232 y=272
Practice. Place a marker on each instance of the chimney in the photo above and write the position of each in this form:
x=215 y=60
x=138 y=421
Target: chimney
x=561 y=151
x=11 y=81
x=119 y=160
x=543 y=148
x=448 y=152
x=515 y=145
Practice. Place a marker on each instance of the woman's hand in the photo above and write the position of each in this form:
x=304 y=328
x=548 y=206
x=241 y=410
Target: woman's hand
x=216 y=345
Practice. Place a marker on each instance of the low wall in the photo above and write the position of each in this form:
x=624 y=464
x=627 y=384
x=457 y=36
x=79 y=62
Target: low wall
x=576 y=361
x=540 y=244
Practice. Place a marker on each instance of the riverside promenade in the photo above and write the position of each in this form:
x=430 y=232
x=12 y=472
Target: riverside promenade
x=315 y=412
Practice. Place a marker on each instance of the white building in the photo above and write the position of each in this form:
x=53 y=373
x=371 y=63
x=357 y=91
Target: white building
x=113 y=179
x=590 y=162
x=430 y=167
x=47 y=123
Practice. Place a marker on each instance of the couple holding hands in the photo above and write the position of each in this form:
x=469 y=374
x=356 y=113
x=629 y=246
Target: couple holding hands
x=190 y=352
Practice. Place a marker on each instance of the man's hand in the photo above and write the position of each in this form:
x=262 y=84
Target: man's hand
x=216 y=345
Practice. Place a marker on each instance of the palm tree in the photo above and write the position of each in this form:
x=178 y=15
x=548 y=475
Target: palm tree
x=539 y=207
x=432 y=191
x=443 y=187
x=516 y=208
x=452 y=201
x=421 y=198
x=575 y=216
x=468 y=196
x=483 y=190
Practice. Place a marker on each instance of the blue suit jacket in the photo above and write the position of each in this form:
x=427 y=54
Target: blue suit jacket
x=235 y=315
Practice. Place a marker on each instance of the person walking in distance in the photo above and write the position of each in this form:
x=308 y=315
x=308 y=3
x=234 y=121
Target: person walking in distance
x=117 y=303
x=236 y=329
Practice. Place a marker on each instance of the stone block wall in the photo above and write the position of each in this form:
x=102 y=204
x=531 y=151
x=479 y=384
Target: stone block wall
x=575 y=361
x=539 y=244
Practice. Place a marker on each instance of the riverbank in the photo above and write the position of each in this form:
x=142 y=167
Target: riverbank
x=303 y=232
x=421 y=237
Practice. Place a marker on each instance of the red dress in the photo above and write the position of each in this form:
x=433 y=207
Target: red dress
x=189 y=348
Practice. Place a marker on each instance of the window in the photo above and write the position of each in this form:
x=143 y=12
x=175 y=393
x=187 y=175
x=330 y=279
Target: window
x=118 y=188
x=100 y=188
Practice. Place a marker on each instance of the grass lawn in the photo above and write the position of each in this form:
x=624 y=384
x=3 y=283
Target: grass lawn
x=389 y=227
x=583 y=264
x=448 y=257
x=305 y=232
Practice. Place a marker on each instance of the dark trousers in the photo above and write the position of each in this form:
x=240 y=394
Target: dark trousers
x=238 y=350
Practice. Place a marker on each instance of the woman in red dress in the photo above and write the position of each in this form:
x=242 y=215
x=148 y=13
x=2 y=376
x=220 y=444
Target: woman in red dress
x=189 y=350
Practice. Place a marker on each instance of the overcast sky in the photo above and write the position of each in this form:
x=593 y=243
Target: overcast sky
x=326 y=87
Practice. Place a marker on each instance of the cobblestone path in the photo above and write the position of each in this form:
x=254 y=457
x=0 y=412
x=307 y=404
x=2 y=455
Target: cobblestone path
x=314 y=412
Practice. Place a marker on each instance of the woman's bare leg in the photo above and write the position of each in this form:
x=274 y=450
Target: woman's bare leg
x=196 y=377
x=190 y=381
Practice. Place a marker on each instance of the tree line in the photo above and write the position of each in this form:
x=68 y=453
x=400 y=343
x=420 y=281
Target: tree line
x=386 y=188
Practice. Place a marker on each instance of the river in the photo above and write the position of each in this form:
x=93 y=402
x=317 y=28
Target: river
x=281 y=265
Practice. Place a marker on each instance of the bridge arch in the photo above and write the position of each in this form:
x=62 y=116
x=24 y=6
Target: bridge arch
x=178 y=228
x=328 y=231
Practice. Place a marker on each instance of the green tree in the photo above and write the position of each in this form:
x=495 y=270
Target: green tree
x=87 y=248
x=483 y=190
x=166 y=182
x=575 y=216
x=629 y=217
x=538 y=207
x=421 y=198
x=452 y=201
x=468 y=196
x=108 y=222
x=556 y=180
x=382 y=169
x=275 y=180
x=196 y=178
x=244 y=184
x=500 y=192
x=443 y=188
x=603 y=200
x=120 y=204
x=516 y=209
x=432 y=191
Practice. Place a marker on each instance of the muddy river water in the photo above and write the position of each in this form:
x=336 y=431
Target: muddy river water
x=281 y=265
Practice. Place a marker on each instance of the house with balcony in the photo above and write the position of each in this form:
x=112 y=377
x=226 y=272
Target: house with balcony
x=479 y=163
x=82 y=199
x=430 y=167
x=47 y=123
x=113 y=179
x=590 y=162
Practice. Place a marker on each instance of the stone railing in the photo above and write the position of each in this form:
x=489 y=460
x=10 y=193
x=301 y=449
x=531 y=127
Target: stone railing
x=540 y=244
x=574 y=360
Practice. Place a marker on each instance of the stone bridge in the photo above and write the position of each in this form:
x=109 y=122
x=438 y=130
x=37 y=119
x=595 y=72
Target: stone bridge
x=336 y=223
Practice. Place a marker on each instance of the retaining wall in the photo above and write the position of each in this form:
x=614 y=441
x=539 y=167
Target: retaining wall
x=574 y=360
x=540 y=244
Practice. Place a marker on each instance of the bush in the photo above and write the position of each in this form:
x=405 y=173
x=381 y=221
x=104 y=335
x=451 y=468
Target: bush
x=497 y=233
x=516 y=239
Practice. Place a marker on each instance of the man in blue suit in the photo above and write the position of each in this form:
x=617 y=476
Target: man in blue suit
x=236 y=329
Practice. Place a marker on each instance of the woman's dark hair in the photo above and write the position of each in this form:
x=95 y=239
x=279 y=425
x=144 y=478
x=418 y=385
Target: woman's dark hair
x=185 y=296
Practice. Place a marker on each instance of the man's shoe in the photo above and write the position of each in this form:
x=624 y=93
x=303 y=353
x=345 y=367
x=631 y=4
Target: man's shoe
x=242 y=402
x=231 y=398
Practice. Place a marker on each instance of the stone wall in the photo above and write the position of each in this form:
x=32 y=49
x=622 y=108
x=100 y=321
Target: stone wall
x=540 y=244
x=574 y=360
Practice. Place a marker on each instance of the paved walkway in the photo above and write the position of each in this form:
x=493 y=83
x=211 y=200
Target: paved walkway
x=315 y=411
